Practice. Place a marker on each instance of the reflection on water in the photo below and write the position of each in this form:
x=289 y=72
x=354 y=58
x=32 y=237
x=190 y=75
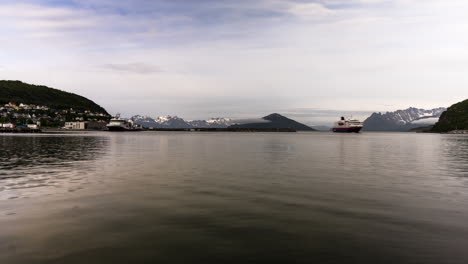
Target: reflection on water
x=30 y=161
x=454 y=155
x=235 y=198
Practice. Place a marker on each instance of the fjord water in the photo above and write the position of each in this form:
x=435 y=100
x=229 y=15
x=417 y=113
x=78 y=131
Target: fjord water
x=179 y=197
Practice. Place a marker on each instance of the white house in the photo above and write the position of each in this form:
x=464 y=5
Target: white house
x=7 y=125
x=76 y=125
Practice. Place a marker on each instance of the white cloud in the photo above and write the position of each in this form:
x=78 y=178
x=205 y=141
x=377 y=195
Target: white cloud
x=310 y=10
x=21 y=10
x=135 y=67
x=369 y=55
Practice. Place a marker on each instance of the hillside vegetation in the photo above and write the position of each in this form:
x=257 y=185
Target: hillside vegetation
x=455 y=118
x=19 y=92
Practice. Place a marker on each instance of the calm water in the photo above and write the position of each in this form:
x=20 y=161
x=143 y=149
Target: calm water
x=234 y=198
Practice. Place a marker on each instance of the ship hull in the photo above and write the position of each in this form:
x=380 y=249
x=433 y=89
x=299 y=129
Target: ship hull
x=347 y=129
x=123 y=129
x=117 y=128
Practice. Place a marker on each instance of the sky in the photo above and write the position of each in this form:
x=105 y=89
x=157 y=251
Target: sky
x=310 y=60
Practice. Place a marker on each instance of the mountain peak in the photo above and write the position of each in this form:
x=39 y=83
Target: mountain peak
x=276 y=121
x=275 y=117
x=402 y=120
x=178 y=122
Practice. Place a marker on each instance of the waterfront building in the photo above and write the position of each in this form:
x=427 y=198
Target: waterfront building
x=76 y=125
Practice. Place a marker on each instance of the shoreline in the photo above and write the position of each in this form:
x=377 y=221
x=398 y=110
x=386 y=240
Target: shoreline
x=20 y=130
x=244 y=130
x=457 y=132
x=58 y=130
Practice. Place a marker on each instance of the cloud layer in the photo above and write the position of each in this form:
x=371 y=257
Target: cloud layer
x=241 y=58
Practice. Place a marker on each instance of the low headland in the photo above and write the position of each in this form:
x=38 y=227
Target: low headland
x=454 y=120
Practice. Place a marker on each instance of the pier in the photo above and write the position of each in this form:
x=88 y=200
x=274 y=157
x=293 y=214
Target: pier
x=20 y=130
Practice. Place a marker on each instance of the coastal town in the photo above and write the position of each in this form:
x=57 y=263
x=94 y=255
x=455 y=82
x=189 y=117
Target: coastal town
x=21 y=117
x=32 y=118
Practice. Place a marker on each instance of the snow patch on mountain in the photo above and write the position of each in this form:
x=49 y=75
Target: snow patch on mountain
x=402 y=120
x=177 y=122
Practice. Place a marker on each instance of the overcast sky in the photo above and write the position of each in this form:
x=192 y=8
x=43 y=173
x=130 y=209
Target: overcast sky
x=310 y=60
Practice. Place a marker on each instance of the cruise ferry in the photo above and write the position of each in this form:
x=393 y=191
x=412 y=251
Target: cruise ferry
x=347 y=125
x=119 y=124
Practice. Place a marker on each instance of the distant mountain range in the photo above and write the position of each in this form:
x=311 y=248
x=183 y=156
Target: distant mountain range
x=177 y=122
x=403 y=120
x=271 y=121
x=455 y=118
x=275 y=121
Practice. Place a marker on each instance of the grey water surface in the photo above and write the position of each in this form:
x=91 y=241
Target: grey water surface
x=183 y=197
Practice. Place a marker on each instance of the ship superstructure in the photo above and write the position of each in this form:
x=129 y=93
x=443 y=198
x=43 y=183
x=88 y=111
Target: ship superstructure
x=347 y=125
x=120 y=124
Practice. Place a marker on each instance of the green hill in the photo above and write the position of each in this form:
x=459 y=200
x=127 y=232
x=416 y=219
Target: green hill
x=275 y=121
x=19 y=92
x=455 y=118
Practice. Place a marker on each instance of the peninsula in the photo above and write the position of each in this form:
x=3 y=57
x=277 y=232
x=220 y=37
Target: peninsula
x=454 y=120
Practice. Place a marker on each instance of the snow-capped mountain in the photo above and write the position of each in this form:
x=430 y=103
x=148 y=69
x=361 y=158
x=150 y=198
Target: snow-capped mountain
x=402 y=120
x=217 y=122
x=172 y=122
x=140 y=118
x=177 y=122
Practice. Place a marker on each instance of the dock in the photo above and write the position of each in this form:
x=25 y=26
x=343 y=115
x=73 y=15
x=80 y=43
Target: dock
x=20 y=130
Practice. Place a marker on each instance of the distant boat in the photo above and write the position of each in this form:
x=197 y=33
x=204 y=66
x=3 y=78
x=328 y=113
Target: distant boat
x=119 y=124
x=347 y=125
